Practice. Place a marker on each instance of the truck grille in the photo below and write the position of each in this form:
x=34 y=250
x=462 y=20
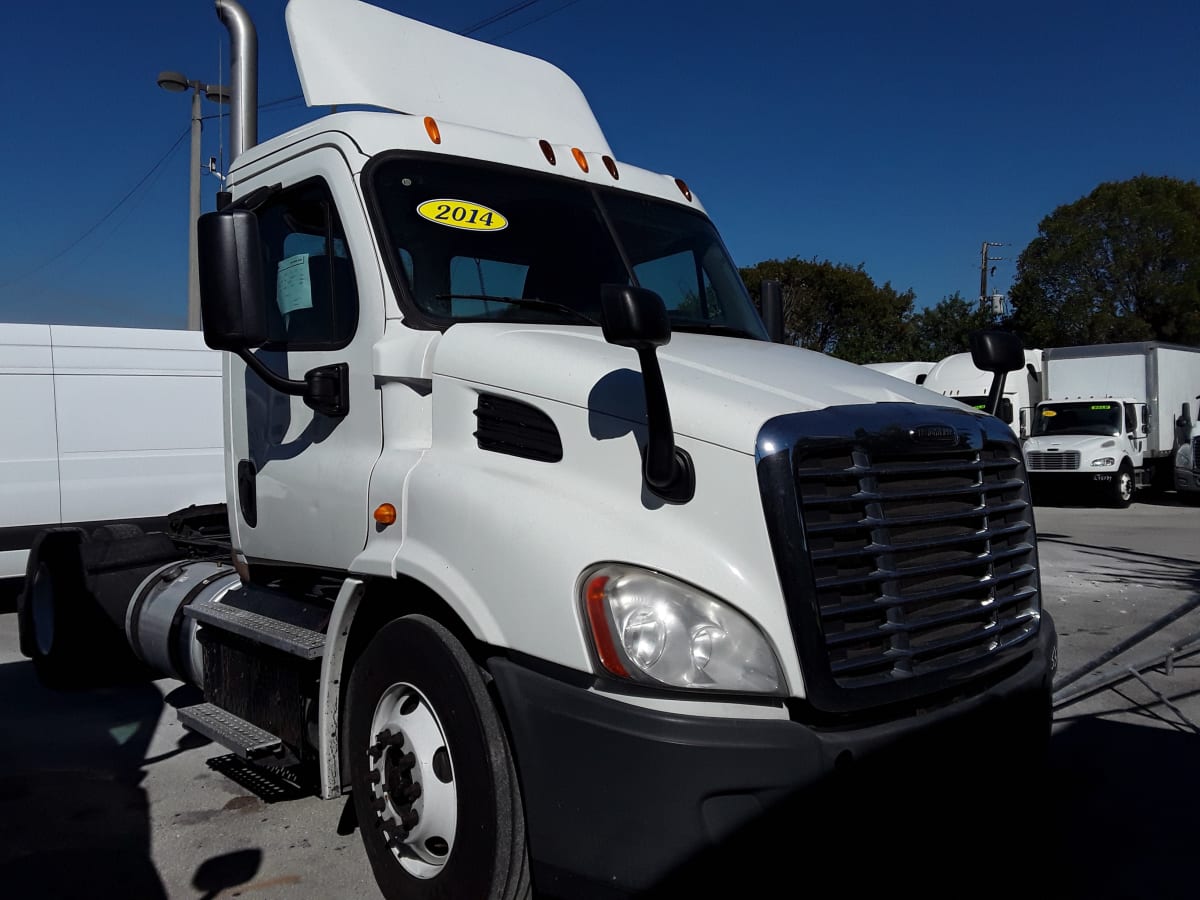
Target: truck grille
x=1054 y=461
x=921 y=560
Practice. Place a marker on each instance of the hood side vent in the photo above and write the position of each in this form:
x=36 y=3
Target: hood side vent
x=516 y=429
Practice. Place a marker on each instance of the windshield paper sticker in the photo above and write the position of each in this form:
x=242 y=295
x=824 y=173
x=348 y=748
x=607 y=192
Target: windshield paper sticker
x=1049 y=413
x=293 y=289
x=461 y=214
x=1101 y=406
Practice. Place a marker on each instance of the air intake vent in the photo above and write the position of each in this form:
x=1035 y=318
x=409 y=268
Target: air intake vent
x=517 y=429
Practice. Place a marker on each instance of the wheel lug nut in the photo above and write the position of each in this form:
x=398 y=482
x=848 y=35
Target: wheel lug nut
x=409 y=818
x=412 y=792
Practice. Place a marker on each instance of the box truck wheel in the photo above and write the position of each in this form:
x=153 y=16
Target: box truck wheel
x=1122 y=487
x=59 y=637
x=433 y=780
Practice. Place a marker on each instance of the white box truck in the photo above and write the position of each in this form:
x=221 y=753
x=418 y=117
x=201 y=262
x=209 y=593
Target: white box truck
x=104 y=425
x=538 y=547
x=957 y=376
x=1113 y=419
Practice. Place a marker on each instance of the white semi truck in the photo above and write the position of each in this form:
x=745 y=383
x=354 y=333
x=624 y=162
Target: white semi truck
x=957 y=376
x=913 y=371
x=537 y=546
x=1114 y=418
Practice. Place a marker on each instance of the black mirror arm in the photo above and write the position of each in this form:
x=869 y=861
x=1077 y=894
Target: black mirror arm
x=996 y=394
x=325 y=389
x=667 y=469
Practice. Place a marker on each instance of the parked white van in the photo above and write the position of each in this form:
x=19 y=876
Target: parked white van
x=101 y=424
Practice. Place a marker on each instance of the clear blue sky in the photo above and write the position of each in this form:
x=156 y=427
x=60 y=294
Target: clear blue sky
x=896 y=135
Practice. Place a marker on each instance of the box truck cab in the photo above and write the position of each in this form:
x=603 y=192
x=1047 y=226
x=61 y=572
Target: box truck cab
x=539 y=548
x=104 y=425
x=1187 y=457
x=1113 y=420
x=957 y=376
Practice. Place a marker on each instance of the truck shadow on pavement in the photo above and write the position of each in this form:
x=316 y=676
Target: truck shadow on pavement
x=74 y=818
x=1108 y=815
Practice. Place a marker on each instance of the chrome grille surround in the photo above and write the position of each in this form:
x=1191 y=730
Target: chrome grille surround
x=909 y=564
x=1052 y=461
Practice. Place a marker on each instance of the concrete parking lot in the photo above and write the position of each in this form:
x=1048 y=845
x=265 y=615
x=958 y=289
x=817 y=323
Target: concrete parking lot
x=102 y=793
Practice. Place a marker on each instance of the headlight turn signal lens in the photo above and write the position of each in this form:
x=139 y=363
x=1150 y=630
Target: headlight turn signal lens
x=651 y=628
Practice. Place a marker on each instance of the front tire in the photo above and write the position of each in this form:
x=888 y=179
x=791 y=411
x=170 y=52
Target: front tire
x=1122 y=487
x=433 y=780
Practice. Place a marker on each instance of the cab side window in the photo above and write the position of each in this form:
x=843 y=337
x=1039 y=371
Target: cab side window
x=308 y=275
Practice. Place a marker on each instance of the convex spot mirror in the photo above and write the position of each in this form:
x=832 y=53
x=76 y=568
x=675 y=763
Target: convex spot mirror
x=634 y=317
x=231 y=284
x=997 y=351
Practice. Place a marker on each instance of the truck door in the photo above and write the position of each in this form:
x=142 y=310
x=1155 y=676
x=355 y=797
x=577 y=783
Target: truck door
x=297 y=478
x=1135 y=418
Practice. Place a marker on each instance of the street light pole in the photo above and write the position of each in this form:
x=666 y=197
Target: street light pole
x=193 y=308
x=176 y=82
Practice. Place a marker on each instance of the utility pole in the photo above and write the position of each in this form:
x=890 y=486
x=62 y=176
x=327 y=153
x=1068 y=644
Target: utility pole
x=985 y=260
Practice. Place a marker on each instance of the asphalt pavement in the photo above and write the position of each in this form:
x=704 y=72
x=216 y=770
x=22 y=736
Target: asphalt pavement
x=103 y=793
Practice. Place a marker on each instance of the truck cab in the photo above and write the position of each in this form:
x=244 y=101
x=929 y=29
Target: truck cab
x=538 y=547
x=1101 y=442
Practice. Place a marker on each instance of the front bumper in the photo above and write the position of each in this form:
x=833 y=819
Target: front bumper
x=618 y=796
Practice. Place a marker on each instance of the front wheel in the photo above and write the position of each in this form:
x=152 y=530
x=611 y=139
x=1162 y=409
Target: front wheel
x=434 y=785
x=1122 y=488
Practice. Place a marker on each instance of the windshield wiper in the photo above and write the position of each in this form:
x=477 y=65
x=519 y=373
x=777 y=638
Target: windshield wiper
x=523 y=303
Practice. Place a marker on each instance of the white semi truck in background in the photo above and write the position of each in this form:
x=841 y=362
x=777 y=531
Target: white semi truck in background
x=957 y=376
x=104 y=425
x=912 y=371
x=555 y=600
x=1114 y=418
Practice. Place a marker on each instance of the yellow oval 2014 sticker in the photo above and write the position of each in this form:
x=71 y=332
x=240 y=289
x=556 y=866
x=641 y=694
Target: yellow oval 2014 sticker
x=461 y=214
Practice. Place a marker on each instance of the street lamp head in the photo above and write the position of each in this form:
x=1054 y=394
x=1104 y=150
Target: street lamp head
x=217 y=93
x=173 y=81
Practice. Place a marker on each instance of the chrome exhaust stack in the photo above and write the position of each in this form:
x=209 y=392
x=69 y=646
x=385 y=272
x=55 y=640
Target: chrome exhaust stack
x=243 y=44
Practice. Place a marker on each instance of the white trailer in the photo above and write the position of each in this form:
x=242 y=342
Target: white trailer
x=956 y=376
x=538 y=547
x=1113 y=418
x=104 y=425
x=913 y=371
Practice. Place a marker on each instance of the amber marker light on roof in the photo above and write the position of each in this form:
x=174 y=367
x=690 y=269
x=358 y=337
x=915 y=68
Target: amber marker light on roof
x=431 y=128
x=385 y=514
x=548 y=152
x=580 y=158
x=601 y=633
x=611 y=165
x=684 y=189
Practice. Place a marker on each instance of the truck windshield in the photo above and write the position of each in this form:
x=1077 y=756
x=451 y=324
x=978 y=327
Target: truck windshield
x=477 y=243
x=1005 y=413
x=1085 y=417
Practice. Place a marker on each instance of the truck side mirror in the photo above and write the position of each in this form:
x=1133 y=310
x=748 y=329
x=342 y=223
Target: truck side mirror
x=233 y=309
x=771 y=294
x=637 y=318
x=998 y=352
x=231 y=285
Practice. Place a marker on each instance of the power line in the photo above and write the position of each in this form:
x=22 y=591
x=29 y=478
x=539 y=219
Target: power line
x=493 y=19
x=545 y=15
x=104 y=218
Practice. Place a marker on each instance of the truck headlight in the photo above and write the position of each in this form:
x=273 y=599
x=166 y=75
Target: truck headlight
x=650 y=628
x=1103 y=462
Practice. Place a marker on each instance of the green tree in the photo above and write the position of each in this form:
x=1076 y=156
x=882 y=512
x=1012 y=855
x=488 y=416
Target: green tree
x=838 y=309
x=1121 y=264
x=941 y=330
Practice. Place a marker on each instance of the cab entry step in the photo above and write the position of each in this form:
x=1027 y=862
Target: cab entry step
x=292 y=639
x=243 y=738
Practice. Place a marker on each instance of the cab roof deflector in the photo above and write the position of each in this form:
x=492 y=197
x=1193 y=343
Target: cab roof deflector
x=352 y=53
